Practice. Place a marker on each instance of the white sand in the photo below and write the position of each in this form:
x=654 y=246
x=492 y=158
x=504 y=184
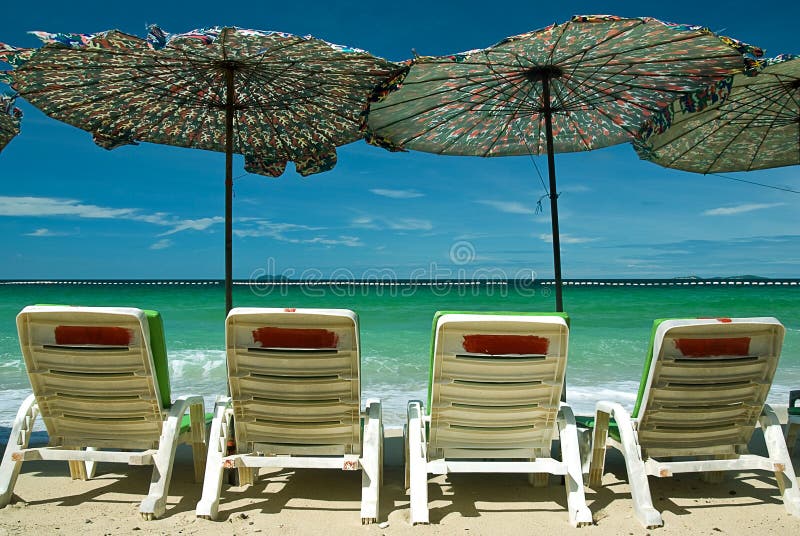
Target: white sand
x=327 y=502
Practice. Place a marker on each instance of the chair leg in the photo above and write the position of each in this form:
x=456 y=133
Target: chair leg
x=539 y=480
x=382 y=443
x=406 y=469
x=199 y=452
x=371 y=463
x=245 y=476
x=18 y=439
x=155 y=504
x=208 y=507
x=598 y=450
x=585 y=450
x=793 y=425
x=417 y=462
x=792 y=430
x=91 y=467
x=779 y=454
x=647 y=515
x=579 y=513
x=77 y=469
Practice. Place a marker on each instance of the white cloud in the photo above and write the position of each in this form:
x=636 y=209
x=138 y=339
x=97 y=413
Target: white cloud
x=397 y=194
x=256 y=228
x=341 y=240
x=45 y=232
x=566 y=239
x=511 y=207
x=365 y=222
x=162 y=244
x=740 y=209
x=51 y=207
x=399 y=224
x=288 y=232
x=48 y=206
x=196 y=225
x=574 y=189
x=410 y=224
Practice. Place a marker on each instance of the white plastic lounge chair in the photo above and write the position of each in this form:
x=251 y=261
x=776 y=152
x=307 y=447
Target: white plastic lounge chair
x=295 y=402
x=494 y=405
x=702 y=394
x=793 y=422
x=100 y=381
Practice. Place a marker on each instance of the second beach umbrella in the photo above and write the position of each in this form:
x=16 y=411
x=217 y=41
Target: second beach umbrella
x=588 y=83
x=271 y=96
x=743 y=123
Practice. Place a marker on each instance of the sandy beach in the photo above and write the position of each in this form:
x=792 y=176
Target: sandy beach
x=299 y=502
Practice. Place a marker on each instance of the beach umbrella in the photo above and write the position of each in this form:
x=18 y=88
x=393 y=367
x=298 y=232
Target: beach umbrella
x=271 y=96
x=588 y=83
x=9 y=120
x=745 y=122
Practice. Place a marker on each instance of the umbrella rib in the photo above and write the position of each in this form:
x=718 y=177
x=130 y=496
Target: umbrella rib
x=677 y=39
x=123 y=91
x=515 y=112
x=783 y=103
x=453 y=140
x=323 y=105
x=462 y=89
x=554 y=46
x=565 y=59
x=711 y=119
x=584 y=137
x=773 y=96
x=732 y=139
x=254 y=74
x=112 y=94
x=521 y=88
x=314 y=88
x=270 y=118
x=718 y=123
x=581 y=68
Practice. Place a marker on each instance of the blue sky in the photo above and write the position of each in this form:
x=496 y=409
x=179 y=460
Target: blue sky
x=69 y=209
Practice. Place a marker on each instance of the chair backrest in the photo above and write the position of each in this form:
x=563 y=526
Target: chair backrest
x=705 y=383
x=93 y=374
x=294 y=380
x=496 y=382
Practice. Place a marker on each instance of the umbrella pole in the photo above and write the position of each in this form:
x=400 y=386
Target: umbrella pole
x=551 y=168
x=229 y=100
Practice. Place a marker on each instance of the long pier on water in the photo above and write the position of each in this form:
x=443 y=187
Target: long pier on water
x=424 y=283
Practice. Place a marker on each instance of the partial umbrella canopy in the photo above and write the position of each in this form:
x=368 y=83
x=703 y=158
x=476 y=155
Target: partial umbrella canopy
x=585 y=84
x=745 y=122
x=271 y=96
x=9 y=120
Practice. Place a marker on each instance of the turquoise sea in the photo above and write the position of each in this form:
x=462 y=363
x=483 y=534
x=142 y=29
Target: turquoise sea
x=610 y=328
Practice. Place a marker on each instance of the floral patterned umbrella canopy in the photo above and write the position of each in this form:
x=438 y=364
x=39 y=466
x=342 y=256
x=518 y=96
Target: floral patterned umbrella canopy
x=271 y=96
x=745 y=122
x=9 y=120
x=585 y=84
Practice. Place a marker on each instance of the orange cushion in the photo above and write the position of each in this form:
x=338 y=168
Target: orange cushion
x=505 y=344
x=713 y=347
x=272 y=337
x=99 y=335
